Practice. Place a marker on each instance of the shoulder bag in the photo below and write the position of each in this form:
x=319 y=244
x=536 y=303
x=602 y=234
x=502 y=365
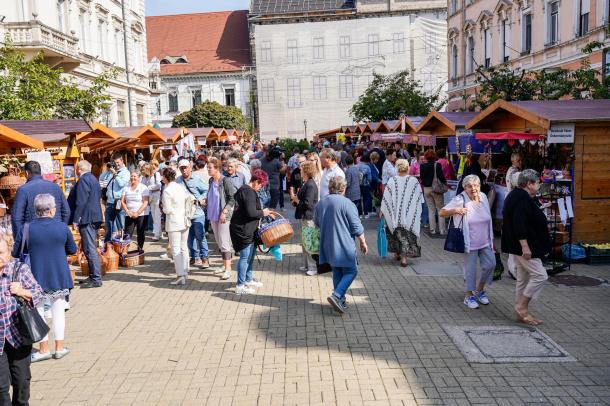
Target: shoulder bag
x=438 y=186
x=30 y=324
x=191 y=202
x=455 y=236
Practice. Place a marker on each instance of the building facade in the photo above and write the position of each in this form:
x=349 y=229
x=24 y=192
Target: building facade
x=199 y=57
x=315 y=58
x=86 y=38
x=525 y=34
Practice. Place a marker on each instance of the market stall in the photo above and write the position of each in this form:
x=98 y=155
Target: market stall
x=572 y=142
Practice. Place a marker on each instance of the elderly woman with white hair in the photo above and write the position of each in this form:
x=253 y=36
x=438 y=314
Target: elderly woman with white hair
x=337 y=218
x=48 y=241
x=401 y=208
x=471 y=210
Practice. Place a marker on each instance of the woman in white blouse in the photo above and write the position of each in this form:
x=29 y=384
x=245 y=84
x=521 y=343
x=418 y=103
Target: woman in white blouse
x=135 y=204
x=175 y=199
x=151 y=178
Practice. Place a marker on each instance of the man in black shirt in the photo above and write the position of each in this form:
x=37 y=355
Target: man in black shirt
x=525 y=237
x=295 y=177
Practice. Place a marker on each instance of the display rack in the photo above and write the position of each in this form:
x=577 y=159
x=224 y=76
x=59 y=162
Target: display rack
x=560 y=233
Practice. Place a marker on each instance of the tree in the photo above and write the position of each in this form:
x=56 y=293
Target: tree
x=387 y=97
x=33 y=90
x=212 y=114
x=503 y=83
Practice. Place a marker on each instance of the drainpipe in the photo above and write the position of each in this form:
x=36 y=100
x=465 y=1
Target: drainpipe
x=127 y=73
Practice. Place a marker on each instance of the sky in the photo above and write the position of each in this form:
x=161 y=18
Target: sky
x=165 y=7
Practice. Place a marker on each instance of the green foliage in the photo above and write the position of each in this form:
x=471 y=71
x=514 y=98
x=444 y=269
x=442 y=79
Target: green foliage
x=32 y=90
x=387 y=97
x=503 y=83
x=212 y=114
x=289 y=144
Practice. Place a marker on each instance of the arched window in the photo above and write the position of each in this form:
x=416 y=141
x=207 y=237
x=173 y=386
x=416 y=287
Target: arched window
x=164 y=62
x=454 y=61
x=181 y=60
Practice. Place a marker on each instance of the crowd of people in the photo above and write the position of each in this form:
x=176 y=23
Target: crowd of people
x=227 y=193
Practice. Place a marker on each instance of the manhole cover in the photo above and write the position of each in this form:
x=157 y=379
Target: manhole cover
x=575 y=280
x=506 y=344
x=437 y=269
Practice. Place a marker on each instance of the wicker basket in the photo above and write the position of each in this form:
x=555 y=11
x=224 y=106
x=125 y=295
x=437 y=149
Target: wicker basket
x=132 y=258
x=111 y=263
x=276 y=232
x=120 y=244
x=11 y=182
x=84 y=265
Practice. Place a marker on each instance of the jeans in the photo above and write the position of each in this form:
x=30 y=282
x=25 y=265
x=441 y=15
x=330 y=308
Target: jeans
x=424 y=214
x=487 y=261
x=358 y=204
x=139 y=224
x=88 y=237
x=281 y=196
x=342 y=279
x=114 y=220
x=245 y=263
x=198 y=244
x=367 y=199
x=15 y=371
x=275 y=198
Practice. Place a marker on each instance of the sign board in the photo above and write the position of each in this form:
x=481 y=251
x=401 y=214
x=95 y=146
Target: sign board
x=200 y=141
x=167 y=147
x=561 y=134
x=461 y=132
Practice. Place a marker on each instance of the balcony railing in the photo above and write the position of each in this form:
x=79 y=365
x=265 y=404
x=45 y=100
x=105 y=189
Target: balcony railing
x=35 y=35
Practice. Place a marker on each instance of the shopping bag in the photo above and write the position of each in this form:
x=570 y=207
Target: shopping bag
x=455 y=238
x=310 y=237
x=382 y=239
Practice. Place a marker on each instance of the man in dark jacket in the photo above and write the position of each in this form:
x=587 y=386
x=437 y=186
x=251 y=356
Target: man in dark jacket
x=23 y=208
x=525 y=237
x=84 y=201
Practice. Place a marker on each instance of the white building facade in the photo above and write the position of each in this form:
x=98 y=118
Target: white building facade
x=87 y=38
x=310 y=72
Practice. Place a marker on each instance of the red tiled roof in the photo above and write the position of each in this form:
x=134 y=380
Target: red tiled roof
x=211 y=42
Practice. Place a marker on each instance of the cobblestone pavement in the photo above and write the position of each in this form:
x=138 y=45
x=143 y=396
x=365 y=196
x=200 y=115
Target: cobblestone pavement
x=139 y=341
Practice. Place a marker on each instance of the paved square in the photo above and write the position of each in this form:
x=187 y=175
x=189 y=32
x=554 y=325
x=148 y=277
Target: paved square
x=506 y=344
x=139 y=341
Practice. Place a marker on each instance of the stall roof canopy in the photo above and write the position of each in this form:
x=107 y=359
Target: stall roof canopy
x=36 y=127
x=170 y=134
x=14 y=139
x=543 y=113
x=445 y=123
x=507 y=136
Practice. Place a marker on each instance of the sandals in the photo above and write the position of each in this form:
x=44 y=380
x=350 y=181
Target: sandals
x=530 y=320
x=403 y=263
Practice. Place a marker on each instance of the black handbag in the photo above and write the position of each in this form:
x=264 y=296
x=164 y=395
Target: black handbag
x=30 y=324
x=455 y=236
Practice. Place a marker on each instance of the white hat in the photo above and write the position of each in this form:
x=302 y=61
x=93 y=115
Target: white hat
x=183 y=163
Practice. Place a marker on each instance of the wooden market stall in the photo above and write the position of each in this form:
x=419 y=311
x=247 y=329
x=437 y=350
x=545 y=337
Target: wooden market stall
x=583 y=125
x=59 y=139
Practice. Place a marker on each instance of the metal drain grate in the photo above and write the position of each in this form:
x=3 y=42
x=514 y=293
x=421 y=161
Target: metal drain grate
x=575 y=280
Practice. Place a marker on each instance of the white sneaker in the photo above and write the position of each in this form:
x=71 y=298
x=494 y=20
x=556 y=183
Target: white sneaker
x=226 y=275
x=180 y=281
x=366 y=216
x=312 y=272
x=218 y=271
x=254 y=284
x=244 y=290
x=303 y=269
x=154 y=239
x=164 y=256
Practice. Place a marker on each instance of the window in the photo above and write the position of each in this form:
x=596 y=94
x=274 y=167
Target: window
x=454 y=6
x=319 y=88
x=505 y=46
x=318 y=48
x=266 y=51
x=373 y=44
x=137 y=44
x=196 y=97
x=118 y=47
x=120 y=112
x=553 y=23
x=230 y=96
x=140 y=113
x=398 y=42
x=101 y=37
x=267 y=91
x=172 y=101
x=454 y=61
x=487 y=44
x=82 y=21
x=61 y=15
x=158 y=106
x=470 y=55
x=583 y=17
x=292 y=51
x=346 y=86
x=294 y=92
x=527 y=33
x=429 y=43
x=345 y=50
x=606 y=64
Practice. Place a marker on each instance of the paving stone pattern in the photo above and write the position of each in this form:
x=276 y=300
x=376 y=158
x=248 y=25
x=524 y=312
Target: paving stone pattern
x=139 y=341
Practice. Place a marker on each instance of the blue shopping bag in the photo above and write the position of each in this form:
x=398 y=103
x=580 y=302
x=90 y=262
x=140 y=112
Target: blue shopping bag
x=382 y=239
